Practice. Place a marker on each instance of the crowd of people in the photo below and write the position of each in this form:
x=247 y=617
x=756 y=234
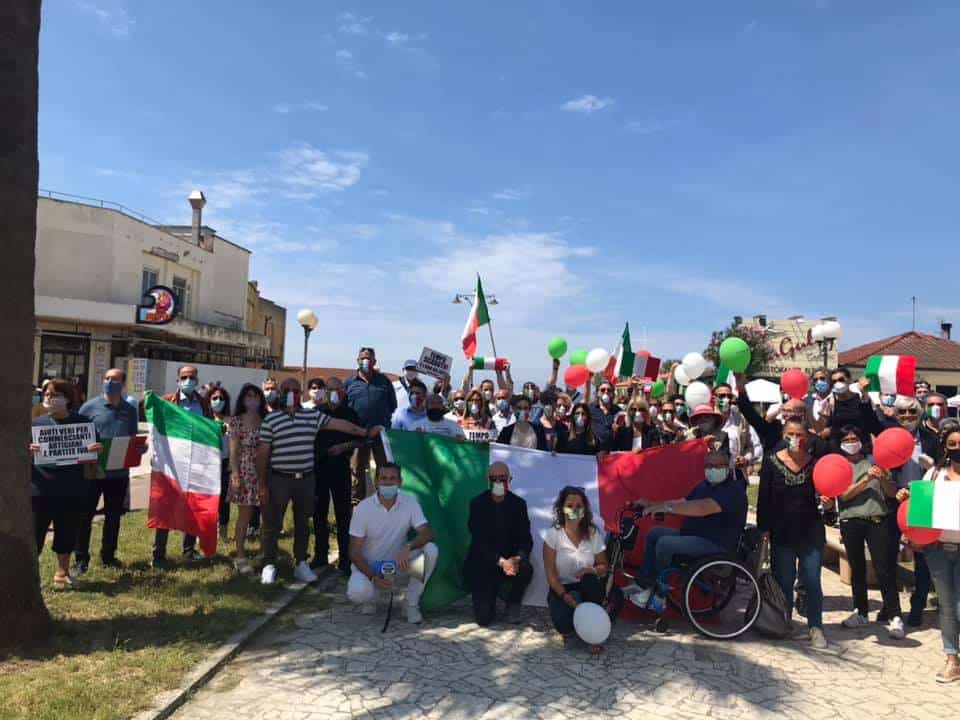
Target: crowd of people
x=283 y=447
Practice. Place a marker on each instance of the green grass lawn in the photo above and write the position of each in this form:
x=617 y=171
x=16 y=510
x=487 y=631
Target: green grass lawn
x=752 y=491
x=128 y=634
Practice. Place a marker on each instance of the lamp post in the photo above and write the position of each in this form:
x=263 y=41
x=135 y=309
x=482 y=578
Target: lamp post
x=308 y=321
x=468 y=297
x=825 y=334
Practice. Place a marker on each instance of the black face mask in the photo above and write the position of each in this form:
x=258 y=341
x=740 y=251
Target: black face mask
x=435 y=414
x=954 y=455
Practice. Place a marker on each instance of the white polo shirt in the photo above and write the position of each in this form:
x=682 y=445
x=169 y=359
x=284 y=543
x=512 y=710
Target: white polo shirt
x=570 y=557
x=385 y=531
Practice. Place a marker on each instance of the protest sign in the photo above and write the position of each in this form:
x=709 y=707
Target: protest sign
x=480 y=435
x=64 y=444
x=434 y=363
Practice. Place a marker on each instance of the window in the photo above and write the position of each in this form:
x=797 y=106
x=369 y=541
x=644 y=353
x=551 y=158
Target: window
x=151 y=277
x=181 y=290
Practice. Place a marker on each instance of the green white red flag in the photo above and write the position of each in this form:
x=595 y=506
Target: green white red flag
x=122 y=452
x=891 y=374
x=478 y=317
x=934 y=505
x=622 y=361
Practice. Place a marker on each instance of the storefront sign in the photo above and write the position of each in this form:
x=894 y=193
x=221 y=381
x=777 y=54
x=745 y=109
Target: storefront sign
x=793 y=346
x=157 y=307
x=64 y=444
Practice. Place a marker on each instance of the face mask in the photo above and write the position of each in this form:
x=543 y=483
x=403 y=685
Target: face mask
x=112 y=387
x=487 y=395
x=37 y=399
x=935 y=412
x=435 y=414
x=888 y=400
x=503 y=405
x=580 y=421
x=851 y=448
x=253 y=404
x=364 y=365
x=217 y=405
x=498 y=489
x=574 y=514
x=562 y=410
x=909 y=425
x=271 y=396
x=605 y=398
x=292 y=400
x=715 y=476
x=548 y=411
x=954 y=455
x=523 y=415
x=796 y=444
x=459 y=404
x=55 y=403
x=315 y=394
x=821 y=386
x=681 y=410
x=723 y=404
x=839 y=387
x=638 y=419
x=668 y=416
x=474 y=408
x=188 y=385
x=334 y=397
x=528 y=393
x=411 y=375
x=388 y=492
x=416 y=401
x=922 y=395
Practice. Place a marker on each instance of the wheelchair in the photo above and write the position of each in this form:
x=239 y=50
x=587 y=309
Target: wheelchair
x=717 y=594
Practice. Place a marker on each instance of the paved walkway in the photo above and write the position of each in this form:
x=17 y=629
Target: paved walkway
x=324 y=661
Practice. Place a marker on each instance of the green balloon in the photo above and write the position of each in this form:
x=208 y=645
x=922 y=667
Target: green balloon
x=658 y=389
x=557 y=348
x=735 y=354
x=578 y=357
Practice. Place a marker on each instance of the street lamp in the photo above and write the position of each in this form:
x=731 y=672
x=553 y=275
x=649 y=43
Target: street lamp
x=825 y=334
x=468 y=297
x=308 y=321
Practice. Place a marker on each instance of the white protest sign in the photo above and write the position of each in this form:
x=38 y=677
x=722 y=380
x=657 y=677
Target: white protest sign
x=64 y=444
x=434 y=363
x=479 y=435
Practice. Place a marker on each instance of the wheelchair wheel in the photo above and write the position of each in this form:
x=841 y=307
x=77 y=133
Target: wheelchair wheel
x=721 y=599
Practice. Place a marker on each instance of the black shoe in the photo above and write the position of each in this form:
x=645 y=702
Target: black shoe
x=111 y=562
x=345 y=570
x=80 y=567
x=915 y=618
x=319 y=565
x=883 y=616
x=160 y=564
x=192 y=555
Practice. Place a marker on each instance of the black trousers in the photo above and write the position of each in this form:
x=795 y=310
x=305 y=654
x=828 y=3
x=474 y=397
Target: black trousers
x=921 y=573
x=64 y=513
x=855 y=533
x=223 y=516
x=485 y=586
x=160 y=538
x=114 y=491
x=590 y=589
x=333 y=482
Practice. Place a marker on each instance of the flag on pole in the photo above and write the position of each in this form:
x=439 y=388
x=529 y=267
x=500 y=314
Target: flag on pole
x=478 y=317
x=185 y=472
x=934 y=505
x=623 y=360
x=646 y=365
x=891 y=374
x=122 y=452
x=488 y=363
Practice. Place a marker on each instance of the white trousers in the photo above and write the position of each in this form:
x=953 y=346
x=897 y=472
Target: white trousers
x=361 y=590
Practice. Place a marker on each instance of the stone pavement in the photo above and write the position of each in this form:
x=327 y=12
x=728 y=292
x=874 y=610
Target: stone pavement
x=322 y=660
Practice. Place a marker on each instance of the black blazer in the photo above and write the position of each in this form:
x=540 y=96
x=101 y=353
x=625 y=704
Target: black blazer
x=484 y=553
x=507 y=434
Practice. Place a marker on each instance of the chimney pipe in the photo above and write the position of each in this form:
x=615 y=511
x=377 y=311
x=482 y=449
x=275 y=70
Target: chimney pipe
x=945 y=329
x=197 y=200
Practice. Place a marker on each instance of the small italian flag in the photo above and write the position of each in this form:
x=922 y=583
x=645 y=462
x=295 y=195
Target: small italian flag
x=122 y=452
x=622 y=361
x=185 y=472
x=486 y=363
x=934 y=505
x=646 y=365
x=478 y=317
x=891 y=374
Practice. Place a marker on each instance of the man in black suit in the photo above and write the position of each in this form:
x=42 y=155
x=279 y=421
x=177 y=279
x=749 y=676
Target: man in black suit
x=499 y=549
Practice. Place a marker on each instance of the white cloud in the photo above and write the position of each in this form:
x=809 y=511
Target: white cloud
x=587 y=104
x=344 y=55
x=749 y=27
x=110 y=13
x=308 y=106
x=511 y=194
x=346 y=61
x=396 y=39
x=352 y=24
x=307 y=171
x=647 y=127
x=282 y=108
x=426 y=229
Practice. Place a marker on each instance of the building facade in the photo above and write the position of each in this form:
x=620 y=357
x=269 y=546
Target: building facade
x=94 y=263
x=792 y=345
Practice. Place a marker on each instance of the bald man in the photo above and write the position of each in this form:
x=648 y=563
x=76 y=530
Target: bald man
x=499 y=548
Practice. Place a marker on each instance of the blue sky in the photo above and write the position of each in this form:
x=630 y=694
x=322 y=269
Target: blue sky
x=666 y=164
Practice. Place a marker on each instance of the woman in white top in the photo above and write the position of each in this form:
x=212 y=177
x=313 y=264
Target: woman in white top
x=575 y=560
x=943 y=558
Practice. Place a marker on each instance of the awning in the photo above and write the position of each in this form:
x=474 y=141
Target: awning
x=763 y=391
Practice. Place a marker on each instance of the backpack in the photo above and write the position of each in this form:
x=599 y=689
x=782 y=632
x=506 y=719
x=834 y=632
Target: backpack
x=773 y=619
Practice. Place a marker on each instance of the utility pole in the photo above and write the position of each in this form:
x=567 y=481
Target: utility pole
x=913 y=325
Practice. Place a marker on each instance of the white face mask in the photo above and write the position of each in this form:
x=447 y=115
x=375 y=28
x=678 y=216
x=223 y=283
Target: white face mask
x=715 y=476
x=498 y=489
x=315 y=394
x=605 y=398
x=410 y=374
x=851 y=448
x=840 y=387
x=334 y=397
x=459 y=404
x=55 y=403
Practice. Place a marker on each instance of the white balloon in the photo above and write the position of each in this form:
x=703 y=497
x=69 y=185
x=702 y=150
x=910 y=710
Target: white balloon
x=697 y=394
x=591 y=623
x=597 y=360
x=694 y=365
x=681 y=376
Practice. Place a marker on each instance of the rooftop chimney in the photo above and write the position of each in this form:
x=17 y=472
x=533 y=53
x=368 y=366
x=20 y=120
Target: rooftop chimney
x=945 y=329
x=197 y=201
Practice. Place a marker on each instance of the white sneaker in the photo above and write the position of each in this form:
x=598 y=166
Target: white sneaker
x=641 y=597
x=303 y=573
x=413 y=615
x=855 y=620
x=268 y=576
x=817 y=638
x=366 y=608
x=895 y=629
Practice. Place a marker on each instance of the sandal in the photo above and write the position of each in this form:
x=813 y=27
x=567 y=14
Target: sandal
x=64 y=582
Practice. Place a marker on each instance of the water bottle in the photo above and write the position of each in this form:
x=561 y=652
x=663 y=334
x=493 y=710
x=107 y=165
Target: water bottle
x=387 y=569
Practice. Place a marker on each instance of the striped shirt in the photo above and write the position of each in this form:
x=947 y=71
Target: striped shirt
x=292 y=438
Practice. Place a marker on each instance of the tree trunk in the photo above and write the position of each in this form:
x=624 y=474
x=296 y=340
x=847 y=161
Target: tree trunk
x=23 y=616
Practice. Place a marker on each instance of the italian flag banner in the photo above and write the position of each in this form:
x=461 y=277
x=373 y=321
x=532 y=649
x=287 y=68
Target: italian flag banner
x=185 y=473
x=122 y=452
x=488 y=363
x=478 y=316
x=646 y=365
x=622 y=361
x=934 y=505
x=891 y=374
x=445 y=476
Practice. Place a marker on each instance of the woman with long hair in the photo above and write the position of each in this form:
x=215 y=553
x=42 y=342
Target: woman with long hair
x=219 y=400
x=476 y=422
x=243 y=430
x=574 y=559
x=582 y=441
x=553 y=426
x=640 y=431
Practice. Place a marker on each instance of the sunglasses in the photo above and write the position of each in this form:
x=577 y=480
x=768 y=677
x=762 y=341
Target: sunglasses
x=724 y=396
x=498 y=478
x=907 y=413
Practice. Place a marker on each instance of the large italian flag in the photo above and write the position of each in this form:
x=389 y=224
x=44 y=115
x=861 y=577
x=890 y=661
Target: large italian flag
x=891 y=374
x=478 y=317
x=622 y=361
x=185 y=471
x=934 y=505
x=445 y=476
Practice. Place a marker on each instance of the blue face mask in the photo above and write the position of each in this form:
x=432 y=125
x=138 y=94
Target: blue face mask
x=888 y=400
x=388 y=492
x=821 y=386
x=112 y=387
x=217 y=405
x=503 y=405
x=188 y=386
x=37 y=399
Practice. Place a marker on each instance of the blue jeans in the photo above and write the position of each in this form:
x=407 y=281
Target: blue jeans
x=786 y=561
x=663 y=543
x=945 y=569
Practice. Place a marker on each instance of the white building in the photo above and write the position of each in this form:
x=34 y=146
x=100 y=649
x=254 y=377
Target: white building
x=94 y=261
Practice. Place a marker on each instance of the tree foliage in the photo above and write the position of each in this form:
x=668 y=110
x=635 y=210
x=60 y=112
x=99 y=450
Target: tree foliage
x=761 y=353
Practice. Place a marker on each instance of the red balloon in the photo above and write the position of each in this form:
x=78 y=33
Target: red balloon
x=918 y=535
x=644 y=353
x=893 y=448
x=832 y=475
x=576 y=375
x=794 y=383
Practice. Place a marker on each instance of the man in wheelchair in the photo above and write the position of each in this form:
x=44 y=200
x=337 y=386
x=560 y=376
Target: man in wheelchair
x=714 y=514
